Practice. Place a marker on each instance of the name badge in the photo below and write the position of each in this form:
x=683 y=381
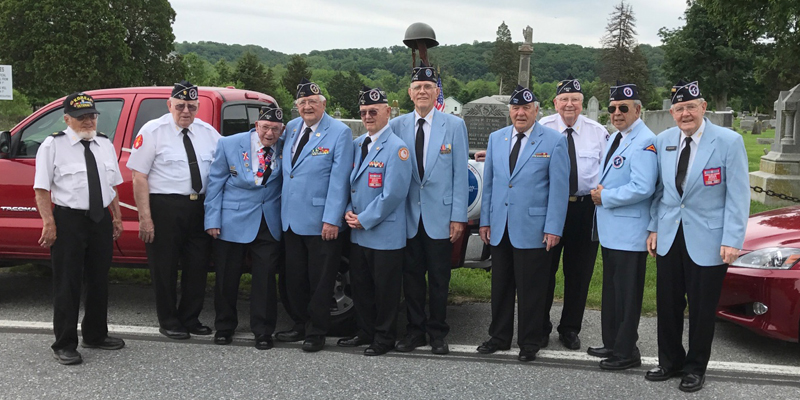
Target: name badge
x=672 y=148
x=375 y=179
x=712 y=176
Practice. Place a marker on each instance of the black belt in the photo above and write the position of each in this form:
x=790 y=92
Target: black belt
x=74 y=210
x=191 y=197
x=578 y=199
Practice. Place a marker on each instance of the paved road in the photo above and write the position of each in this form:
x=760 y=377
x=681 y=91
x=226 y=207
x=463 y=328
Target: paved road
x=744 y=365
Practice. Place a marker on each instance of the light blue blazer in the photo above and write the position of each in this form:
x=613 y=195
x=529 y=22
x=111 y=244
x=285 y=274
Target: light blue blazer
x=234 y=202
x=533 y=200
x=379 y=187
x=629 y=181
x=441 y=195
x=317 y=188
x=716 y=197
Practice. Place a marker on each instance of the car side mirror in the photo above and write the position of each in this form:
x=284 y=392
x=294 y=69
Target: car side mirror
x=5 y=144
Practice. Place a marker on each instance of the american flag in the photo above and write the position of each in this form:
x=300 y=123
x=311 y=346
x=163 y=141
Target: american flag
x=440 y=99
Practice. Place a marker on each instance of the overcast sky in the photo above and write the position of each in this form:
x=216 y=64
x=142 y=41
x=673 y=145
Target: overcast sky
x=300 y=26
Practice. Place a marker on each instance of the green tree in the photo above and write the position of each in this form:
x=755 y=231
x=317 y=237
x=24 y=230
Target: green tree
x=198 y=70
x=504 y=62
x=702 y=50
x=621 y=58
x=224 y=73
x=343 y=90
x=148 y=35
x=251 y=73
x=296 y=70
x=14 y=111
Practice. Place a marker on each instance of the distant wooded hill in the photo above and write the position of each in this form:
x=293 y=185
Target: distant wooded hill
x=465 y=62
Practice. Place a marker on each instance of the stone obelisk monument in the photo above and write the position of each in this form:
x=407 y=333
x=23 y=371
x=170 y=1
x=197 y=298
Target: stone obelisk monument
x=525 y=52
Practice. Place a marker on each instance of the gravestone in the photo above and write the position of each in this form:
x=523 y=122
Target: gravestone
x=666 y=104
x=593 y=109
x=482 y=117
x=756 y=128
x=779 y=170
x=337 y=114
x=746 y=124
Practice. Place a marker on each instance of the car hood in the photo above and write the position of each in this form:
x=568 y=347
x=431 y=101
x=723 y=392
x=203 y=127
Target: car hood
x=780 y=227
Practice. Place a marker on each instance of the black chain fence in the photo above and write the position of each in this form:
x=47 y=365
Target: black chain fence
x=771 y=193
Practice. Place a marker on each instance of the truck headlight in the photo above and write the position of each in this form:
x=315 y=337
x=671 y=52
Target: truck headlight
x=769 y=258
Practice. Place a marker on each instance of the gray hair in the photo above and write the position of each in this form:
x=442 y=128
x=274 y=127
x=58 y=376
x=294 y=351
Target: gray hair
x=321 y=98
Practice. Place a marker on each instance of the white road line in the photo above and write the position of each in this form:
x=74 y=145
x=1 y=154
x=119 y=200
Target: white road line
x=713 y=366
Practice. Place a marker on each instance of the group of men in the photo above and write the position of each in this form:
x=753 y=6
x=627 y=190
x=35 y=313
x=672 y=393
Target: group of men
x=401 y=189
x=563 y=182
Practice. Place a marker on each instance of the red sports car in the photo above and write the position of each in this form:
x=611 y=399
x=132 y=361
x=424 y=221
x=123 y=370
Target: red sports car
x=762 y=288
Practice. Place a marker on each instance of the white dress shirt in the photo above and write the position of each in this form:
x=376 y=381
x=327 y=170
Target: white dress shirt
x=590 y=142
x=426 y=128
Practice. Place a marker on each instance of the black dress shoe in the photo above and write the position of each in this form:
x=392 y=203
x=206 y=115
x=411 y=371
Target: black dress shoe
x=200 y=330
x=570 y=340
x=353 y=341
x=108 y=343
x=264 y=342
x=660 y=373
x=615 y=363
x=439 y=346
x=177 y=334
x=377 y=349
x=692 y=382
x=223 y=338
x=67 y=357
x=290 y=336
x=600 y=351
x=526 y=355
x=409 y=343
x=490 y=346
x=314 y=344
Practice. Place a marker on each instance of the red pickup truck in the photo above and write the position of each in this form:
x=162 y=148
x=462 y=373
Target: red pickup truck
x=123 y=111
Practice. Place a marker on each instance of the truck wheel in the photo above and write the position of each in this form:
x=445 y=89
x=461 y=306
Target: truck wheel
x=343 y=313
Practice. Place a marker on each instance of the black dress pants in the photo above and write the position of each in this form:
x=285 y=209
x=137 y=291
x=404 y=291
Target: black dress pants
x=432 y=256
x=229 y=260
x=580 y=253
x=180 y=240
x=679 y=276
x=376 y=276
x=521 y=274
x=623 y=288
x=311 y=268
x=81 y=257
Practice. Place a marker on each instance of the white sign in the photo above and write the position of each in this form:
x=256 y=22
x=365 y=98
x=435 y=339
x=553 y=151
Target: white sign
x=6 y=86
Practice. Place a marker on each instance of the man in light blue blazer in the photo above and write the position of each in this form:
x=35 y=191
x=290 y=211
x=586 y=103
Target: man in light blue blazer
x=524 y=205
x=376 y=213
x=623 y=198
x=317 y=160
x=697 y=224
x=436 y=209
x=242 y=211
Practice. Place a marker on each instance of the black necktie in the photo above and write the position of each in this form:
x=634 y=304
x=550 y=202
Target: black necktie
x=613 y=148
x=683 y=165
x=303 y=141
x=573 y=163
x=95 y=192
x=419 y=147
x=512 y=158
x=194 y=169
x=365 y=148
x=267 y=161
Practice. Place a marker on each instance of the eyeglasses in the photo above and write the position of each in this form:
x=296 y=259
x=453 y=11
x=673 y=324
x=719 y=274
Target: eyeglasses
x=275 y=129
x=309 y=102
x=183 y=106
x=623 y=109
x=372 y=113
x=427 y=88
x=691 y=108
x=84 y=117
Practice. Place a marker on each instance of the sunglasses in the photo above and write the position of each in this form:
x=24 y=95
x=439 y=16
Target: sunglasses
x=372 y=113
x=183 y=106
x=623 y=109
x=84 y=117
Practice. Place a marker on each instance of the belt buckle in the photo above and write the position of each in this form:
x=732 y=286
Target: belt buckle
x=193 y=196
x=573 y=199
